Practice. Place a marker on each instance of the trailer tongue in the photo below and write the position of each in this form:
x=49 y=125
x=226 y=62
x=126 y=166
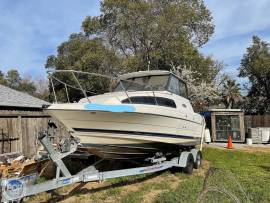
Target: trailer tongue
x=15 y=189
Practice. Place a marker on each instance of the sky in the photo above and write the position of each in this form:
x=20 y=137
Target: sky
x=235 y=24
x=31 y=30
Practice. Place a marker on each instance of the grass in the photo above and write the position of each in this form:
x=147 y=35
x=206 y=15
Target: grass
x=187 y=191
x=251 y=170
x=244 y=176
x=143 y=190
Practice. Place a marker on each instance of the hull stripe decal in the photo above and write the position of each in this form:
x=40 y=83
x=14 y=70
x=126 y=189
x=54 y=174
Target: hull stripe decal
x=135 y=133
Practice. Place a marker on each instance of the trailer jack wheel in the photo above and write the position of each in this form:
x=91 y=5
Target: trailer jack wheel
x=189 y=164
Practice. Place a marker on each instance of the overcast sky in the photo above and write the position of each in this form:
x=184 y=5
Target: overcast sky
x=30 y=30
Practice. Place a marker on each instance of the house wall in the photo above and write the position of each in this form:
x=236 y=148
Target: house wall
x=21 y=128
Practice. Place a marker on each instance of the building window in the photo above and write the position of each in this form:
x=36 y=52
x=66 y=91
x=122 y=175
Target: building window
x=228 y=125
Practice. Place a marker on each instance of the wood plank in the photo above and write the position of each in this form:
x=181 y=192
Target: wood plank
x=22 y=113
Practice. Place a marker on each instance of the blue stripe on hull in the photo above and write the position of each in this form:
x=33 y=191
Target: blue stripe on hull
x=110 y=108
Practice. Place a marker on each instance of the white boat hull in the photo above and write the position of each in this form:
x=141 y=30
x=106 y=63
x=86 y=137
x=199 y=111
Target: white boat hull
x=129 y=134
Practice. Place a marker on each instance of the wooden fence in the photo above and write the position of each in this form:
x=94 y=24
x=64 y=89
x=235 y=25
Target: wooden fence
x=253 y=121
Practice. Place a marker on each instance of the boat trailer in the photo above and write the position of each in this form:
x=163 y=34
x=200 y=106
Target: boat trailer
x=15 y=189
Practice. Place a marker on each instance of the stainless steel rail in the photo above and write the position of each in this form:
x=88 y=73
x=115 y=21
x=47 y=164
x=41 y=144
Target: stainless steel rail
x=52 y=77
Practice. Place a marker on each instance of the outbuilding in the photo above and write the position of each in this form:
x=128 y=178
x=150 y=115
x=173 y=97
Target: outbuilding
x=21 y=118
x=227 y=122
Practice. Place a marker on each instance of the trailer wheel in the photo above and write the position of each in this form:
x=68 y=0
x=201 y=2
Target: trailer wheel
x=189 y=164
x=198 y=161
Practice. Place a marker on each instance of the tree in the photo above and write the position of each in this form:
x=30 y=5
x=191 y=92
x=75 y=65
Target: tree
x=255 y=65
x=230 y=93
x=137 y=35
x=2 y=78
x=42 y=88
x=27 y=85
x=84 y=54
x=155 y=34
x=24 y=84
x=201 y=93
x=13 y=79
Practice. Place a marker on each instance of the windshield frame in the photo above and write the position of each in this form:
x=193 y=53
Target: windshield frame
x=130 y=81
x=181 y=81
x=166 y=87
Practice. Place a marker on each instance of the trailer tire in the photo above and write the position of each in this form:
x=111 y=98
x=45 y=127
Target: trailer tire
x=189 y=164
x=198 y=160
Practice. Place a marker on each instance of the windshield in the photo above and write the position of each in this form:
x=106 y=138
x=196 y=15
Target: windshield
x=145 y=83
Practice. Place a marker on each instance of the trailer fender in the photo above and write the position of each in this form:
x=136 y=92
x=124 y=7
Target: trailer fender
x=197 y=156
x=182 y=162
x=194 y=153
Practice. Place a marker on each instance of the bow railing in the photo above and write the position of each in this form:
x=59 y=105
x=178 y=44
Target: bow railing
x=52 y=76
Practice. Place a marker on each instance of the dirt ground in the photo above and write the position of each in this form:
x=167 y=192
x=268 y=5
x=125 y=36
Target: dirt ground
x=94 y=191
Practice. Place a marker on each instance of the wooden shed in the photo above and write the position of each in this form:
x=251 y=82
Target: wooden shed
x=21 y=118
x=227 y=122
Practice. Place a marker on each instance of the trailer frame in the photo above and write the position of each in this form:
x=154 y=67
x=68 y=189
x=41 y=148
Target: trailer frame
x=15 y=189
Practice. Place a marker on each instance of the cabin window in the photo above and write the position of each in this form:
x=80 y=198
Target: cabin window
x=174 y=85
x=183 y=89
x=153 y=83
x=161 y=101
x=177 y=86
x=145 y=83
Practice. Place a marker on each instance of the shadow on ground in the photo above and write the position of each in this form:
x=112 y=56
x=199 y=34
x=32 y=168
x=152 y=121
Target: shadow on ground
x=79 y=190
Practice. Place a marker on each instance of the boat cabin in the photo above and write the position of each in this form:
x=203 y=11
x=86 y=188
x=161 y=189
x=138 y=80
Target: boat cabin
x=152 y=81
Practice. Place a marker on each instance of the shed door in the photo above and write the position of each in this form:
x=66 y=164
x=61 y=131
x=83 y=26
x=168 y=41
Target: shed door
x=228 y=125
x=9 y=135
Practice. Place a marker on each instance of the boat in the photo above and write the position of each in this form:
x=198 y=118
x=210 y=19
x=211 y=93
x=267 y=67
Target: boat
x=147 y=114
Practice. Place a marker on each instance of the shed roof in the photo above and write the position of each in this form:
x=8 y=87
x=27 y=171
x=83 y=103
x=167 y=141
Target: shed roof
x=13 y=98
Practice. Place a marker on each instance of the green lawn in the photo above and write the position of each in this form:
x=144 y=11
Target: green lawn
x=227 y=176
x=244 y=175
